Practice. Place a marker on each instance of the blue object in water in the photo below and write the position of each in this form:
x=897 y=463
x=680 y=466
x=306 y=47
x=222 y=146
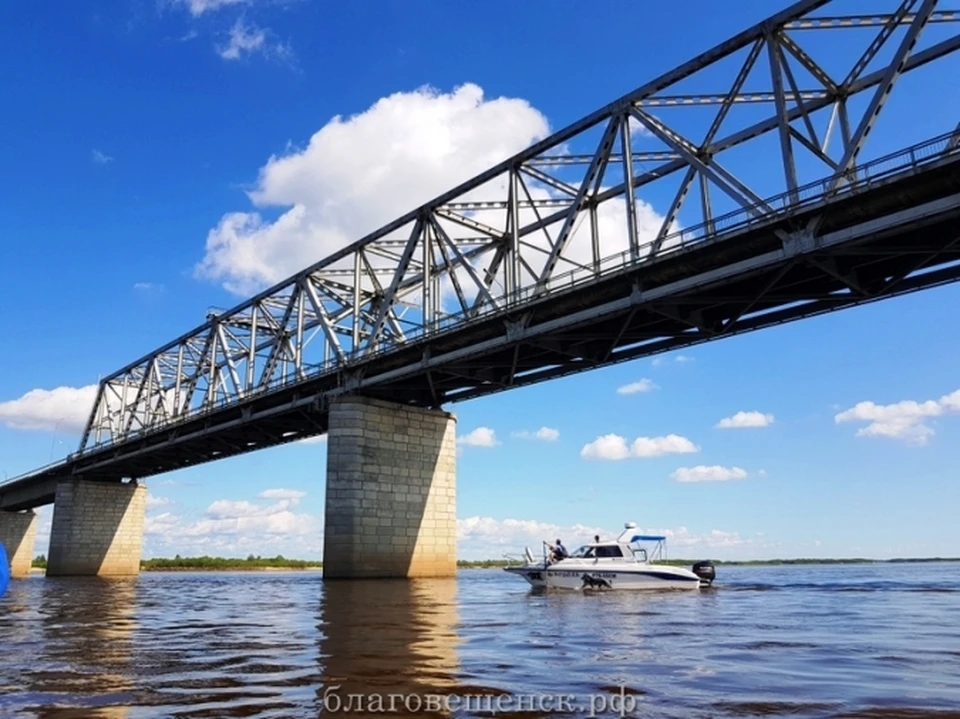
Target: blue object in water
x=4 y=570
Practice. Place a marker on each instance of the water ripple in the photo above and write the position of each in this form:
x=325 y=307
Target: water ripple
x=865 y=641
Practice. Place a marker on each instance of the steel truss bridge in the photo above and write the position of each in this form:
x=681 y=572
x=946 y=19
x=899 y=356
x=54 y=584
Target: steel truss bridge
x=554 y=261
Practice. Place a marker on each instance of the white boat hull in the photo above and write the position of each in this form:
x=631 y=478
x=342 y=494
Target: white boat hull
x=621 y=578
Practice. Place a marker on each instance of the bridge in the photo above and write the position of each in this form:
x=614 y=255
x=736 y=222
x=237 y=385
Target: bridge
x=552 y=262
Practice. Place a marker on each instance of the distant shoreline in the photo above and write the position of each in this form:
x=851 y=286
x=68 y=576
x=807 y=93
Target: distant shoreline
x=221 y=564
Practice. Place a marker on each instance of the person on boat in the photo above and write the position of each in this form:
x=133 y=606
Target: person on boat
x=596 y=539
x=559 y=551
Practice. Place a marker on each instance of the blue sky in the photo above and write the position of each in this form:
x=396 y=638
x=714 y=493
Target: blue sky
x=132 y=133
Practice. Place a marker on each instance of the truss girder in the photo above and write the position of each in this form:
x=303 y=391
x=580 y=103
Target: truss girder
x=566 y=211
x=898 y=235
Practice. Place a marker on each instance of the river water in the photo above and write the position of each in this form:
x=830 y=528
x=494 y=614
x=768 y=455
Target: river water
x=877 y=641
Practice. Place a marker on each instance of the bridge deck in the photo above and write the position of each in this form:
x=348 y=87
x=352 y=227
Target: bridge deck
x=898 y=236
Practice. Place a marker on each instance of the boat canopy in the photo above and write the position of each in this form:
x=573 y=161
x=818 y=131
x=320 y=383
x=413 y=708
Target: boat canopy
x=648 y=538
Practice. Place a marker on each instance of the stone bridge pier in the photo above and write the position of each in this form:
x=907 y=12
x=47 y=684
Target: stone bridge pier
x=97 y=528
x=391 y=491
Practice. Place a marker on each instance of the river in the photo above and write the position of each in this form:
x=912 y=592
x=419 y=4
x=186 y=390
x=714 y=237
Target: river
x=872 y=640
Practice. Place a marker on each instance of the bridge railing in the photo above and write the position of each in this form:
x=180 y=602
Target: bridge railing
x=861 y=178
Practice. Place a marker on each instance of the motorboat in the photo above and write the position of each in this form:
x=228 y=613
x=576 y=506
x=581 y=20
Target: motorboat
x=622 y=563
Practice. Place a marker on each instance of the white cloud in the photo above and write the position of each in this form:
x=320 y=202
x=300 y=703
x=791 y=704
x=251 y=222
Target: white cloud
x=657 y=446
x=704 y=473
x=100 y=158
x=609 y=446
x=292 y=494
x=41 y=542
x=154 y=501
x=745 y=419
x=64 y=409
x=146 y=287
x=248 y=39
x=547 y=434
x=906 y=420
x=679 y=359
x=480 y=437
x=238 y=527
x=358 y=173
x=644 y=385
x=199 y=7
x=614 y=447
x=243 y=38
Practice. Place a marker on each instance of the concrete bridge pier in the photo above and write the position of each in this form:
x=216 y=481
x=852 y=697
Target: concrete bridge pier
x=391 y=491
x=97 y=528
x=18 y=530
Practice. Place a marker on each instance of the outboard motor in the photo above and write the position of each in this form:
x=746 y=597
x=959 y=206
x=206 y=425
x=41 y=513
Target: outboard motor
x=706 y=571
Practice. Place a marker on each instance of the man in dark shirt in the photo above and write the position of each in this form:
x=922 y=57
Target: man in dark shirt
x=559 y=551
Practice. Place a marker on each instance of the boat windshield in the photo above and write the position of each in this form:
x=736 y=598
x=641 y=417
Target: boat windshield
x=583 y=552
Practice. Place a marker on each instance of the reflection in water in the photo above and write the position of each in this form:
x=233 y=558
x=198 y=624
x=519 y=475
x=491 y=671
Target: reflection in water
x=85 y=627
x=388 y=636
x=800 y=641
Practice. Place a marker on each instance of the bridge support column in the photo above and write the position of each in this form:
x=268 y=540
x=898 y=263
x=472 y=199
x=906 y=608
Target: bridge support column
x=391 y=491
x=97 y=529
x=18 y=530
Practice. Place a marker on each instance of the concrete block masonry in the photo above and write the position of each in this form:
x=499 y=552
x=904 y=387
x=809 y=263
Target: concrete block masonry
x=18 y=530
x=391 y=491
x=97 y=529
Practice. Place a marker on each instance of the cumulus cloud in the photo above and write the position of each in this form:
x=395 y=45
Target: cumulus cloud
x=704 y=473
x=644 y=385
x=480 y=437
x=358 y=173
x=613 y=447
x=153 y=501
x=745 y=419
x=101 y=158
x=546 y=434
x=906 y=420
x=63 y=409
x=237 y=527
